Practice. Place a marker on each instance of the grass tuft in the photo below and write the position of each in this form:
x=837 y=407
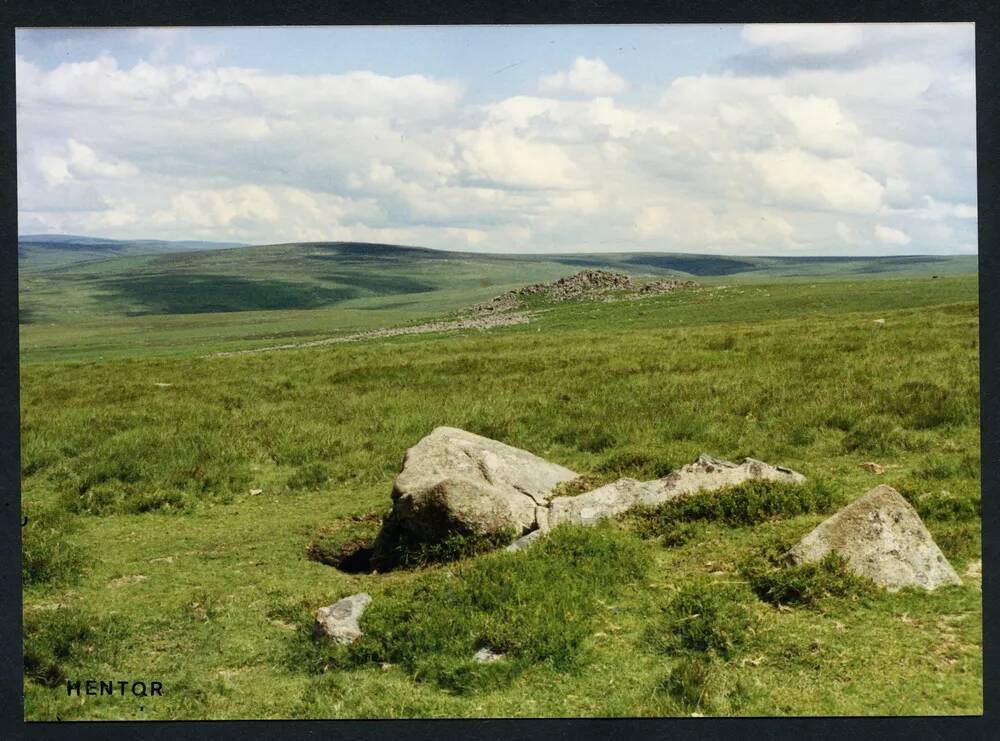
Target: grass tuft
x=536 y=607
x=705 y=617
x=57 y=639
x=48 y=555
x=773 y=579
x=745 y=504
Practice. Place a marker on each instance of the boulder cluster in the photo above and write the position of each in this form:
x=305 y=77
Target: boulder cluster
x=590 y=284
x=457 y=482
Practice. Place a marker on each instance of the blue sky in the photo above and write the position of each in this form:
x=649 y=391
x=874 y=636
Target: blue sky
x=736 y=139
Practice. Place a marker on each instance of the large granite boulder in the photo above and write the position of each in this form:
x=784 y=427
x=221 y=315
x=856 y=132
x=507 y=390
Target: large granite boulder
x=882 y=537
x=705 y=474
x=454 y=481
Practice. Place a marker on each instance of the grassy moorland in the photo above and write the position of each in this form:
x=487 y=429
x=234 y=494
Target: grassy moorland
x=140 y=301
x=146 y=556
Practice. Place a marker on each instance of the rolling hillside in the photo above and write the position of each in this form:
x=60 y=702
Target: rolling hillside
x=64 y=278
x=93 y=294
x=43 y=251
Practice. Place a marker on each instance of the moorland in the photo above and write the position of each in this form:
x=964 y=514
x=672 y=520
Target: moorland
x=177 y=499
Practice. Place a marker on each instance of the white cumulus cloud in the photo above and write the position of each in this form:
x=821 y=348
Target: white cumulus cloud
x=838 y=139
x=888 y=235
x=587 y=76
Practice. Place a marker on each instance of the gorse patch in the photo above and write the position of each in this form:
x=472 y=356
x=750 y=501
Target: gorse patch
x=774 y=579
x=942 y=505
x=535 y=607
x=748 y=503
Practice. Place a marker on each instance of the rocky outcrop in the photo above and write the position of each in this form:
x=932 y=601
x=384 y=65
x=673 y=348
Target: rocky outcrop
x=454 y=481
x=339 y=621
x=705 y=474
x=882 y=537
x=665 y=286
x=585 y=284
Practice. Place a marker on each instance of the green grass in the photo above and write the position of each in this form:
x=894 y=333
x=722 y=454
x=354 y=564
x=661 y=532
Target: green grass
x=748 y=503
x=99 y=301
x=185 y=576
x=536 y=609
x=781 y=583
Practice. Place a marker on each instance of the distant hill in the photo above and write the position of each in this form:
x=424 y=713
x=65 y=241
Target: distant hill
x=40 y=251
x=64 y=279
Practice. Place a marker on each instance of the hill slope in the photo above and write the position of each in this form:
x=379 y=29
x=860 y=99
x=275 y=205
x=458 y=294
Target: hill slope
x=41 y=251
x=139 y=278
x=93 y=297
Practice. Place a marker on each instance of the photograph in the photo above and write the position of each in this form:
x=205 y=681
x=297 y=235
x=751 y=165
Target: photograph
x=498 y=371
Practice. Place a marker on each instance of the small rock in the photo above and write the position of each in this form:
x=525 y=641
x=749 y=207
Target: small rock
x=486 y=656
x=339 y=621
x=526 y=541
x=872 y=467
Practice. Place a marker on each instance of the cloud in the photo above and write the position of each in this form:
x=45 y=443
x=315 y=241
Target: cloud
x=867 y=147
x=888 y=235
x=587 y=76
x=804 y=38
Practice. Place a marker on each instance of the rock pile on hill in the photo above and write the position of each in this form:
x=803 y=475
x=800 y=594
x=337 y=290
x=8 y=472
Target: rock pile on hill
x=585 y=284
x=454 y=481
x=665 y=286
x=882 y=537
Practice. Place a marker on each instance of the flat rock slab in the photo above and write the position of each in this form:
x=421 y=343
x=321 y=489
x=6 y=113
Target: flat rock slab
x=607 y=501
x=883 y=538
x=457 y=481
x=339 y=621
x=705 y=474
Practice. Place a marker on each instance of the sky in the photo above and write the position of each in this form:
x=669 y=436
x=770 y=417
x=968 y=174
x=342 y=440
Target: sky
x=791 y=139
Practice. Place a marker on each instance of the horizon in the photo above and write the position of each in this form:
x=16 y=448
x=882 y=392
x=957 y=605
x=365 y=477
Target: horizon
x=786 y=140
x=236 y=245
